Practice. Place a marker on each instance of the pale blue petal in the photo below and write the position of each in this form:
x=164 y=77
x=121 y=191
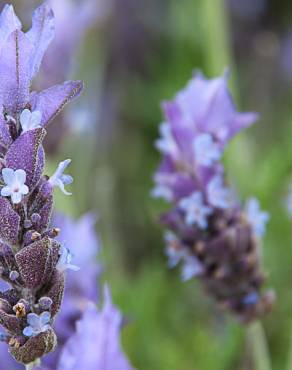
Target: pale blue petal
x=20 y=175
x=16 y=197
x=6 y=191
x=45 y=318
x=33 y=319
x=8 y=175
x=28 y=331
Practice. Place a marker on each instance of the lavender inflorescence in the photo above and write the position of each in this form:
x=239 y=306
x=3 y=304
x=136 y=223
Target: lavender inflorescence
x=209 y=232
x=32 y=261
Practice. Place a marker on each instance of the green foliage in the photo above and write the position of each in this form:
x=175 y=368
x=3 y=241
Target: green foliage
x=172 y=326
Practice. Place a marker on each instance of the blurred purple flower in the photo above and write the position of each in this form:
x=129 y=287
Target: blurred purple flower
x=97 y=338
x=81 y=16
x=82 y=287
x=84 y=245
x=205 y=106
x=7 y=362
x=204 y=109
x=93 y=345
x=210 y=235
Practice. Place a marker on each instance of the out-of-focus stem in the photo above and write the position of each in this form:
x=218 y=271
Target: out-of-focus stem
x=258 y=345
x=216 y=36
x=217 y=41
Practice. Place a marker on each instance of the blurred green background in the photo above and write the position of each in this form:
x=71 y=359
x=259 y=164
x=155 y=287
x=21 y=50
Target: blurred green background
x=134 y=56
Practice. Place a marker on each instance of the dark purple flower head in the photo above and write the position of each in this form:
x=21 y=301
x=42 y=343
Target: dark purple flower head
x=32 y=261
x=210 y=235
x=82 y=16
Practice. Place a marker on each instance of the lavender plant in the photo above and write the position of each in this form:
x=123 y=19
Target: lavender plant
x=98 y=330
x=32 y=261
x=210 y=233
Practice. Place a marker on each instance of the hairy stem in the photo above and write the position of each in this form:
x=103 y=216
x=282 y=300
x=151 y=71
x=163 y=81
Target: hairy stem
x=258 y=346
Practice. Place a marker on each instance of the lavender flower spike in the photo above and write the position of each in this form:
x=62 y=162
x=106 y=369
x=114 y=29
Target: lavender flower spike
x=30 y=256
x=211 y=236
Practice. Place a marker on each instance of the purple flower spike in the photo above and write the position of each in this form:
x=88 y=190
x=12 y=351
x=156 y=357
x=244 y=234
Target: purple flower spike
x=211 y=236
x=32 y=262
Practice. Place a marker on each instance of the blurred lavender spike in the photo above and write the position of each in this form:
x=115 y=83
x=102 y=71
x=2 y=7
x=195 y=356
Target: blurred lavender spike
x=82 y=16
x=97 y=337
x=211 y=235
x=29 y=253
x=83 y=287
x=81 y=295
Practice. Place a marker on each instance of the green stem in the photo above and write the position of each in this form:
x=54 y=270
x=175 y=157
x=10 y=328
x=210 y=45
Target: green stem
x=216 y=36
x=217 y=43
x=258 y=345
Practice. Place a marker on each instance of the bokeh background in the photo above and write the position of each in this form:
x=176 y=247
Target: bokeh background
x=132 y=54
